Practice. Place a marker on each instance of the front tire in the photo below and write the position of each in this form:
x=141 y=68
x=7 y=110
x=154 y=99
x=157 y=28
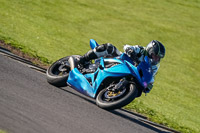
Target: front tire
x=128 y=95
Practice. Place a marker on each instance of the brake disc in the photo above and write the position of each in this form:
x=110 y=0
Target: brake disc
x=112 y=95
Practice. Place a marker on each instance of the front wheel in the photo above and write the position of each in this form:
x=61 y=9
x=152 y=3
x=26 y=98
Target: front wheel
x=110 y=100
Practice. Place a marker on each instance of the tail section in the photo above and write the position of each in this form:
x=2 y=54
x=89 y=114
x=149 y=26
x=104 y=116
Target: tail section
x=93 y=43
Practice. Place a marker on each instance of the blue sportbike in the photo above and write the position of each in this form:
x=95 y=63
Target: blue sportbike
x=113 y=82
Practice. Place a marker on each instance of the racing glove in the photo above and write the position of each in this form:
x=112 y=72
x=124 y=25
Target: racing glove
x=149 y=88
x=130 y=52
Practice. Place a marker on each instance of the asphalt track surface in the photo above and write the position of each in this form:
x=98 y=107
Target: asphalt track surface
x=28 y=104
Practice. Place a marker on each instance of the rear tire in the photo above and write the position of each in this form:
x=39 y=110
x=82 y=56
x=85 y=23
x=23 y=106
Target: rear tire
x=128 y=96
x=58 y=72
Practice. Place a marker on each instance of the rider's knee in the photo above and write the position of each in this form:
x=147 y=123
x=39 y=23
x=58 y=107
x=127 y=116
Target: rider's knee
x=107 y=48
x=100 y=48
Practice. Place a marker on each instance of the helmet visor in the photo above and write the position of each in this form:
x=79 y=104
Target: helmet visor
x=155 y=58
x=161 y=55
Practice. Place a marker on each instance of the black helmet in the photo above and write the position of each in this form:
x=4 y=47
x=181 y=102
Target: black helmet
x=155 y=49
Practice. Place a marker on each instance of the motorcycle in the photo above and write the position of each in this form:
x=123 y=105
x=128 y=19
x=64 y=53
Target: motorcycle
x=113 y=82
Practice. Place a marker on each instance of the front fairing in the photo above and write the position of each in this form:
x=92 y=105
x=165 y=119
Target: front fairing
x=145 y=71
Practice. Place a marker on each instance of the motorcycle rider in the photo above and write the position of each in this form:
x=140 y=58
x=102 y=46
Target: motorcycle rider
x=155 y=50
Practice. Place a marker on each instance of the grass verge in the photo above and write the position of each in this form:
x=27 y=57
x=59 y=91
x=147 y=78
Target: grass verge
x=2 y=131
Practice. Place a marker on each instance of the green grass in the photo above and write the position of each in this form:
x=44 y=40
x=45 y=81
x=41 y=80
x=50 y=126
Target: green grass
x=1 y=131
x=57 y=28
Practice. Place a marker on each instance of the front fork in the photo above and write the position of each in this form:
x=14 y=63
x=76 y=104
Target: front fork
x=119 y=86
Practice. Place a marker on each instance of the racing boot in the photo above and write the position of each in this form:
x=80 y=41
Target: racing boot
x=84 y=60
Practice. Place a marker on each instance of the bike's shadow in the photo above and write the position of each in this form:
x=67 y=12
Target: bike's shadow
x=125 y=114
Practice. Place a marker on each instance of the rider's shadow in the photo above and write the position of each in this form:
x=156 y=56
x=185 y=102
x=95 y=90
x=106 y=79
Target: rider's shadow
x=131 y=116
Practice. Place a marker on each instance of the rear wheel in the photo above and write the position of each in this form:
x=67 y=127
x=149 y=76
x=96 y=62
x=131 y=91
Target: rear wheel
x=58 y=72
x=109 y=100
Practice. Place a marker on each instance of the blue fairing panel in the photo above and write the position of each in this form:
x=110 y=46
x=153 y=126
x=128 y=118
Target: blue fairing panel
x=125 y=57
x=109 y=72
x=77 y=81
